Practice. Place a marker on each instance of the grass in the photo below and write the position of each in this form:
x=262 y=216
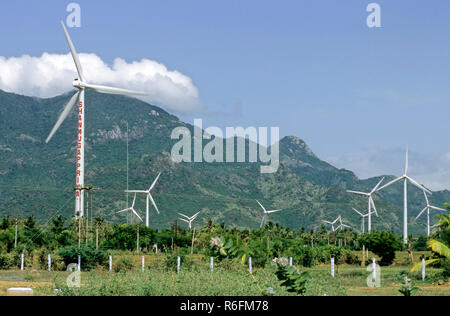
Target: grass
x=227 y=279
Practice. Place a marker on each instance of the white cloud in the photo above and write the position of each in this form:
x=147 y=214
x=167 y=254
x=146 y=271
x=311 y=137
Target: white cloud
x=432 y=170
x=52 y=74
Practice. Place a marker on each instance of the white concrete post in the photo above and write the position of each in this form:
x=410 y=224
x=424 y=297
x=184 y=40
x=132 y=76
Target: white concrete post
x=22 y=262
x=250 y=265
x=374 y=270
x=332 y=267
x=423 y=269
x=211 y=264
x=110 y=263
x=290 y=261
x=143 y=264
x=178 y=264
x=79 y=263
x=49 y=262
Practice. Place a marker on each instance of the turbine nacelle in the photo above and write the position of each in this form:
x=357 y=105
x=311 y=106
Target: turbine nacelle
x=77 y=83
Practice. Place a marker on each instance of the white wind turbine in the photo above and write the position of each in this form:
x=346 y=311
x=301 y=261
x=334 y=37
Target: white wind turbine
x=187 y=219
x=266 y=214
x=405 y=179
x=333 y=222
x=149 y=198
x=132 y=209
x=341 y=224
x=363 y=216
x=428 y=208
x=370 y=202
x=82 y=85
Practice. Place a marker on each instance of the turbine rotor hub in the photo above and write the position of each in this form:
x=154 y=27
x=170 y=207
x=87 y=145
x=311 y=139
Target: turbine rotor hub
x=77 y=83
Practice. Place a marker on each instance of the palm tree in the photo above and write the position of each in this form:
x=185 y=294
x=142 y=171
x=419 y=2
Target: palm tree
x=438 y=246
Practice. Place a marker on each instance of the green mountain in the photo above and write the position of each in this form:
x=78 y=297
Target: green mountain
x=37 y=179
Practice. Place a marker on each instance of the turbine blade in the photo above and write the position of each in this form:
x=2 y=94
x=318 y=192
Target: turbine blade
x=261 y=206
x=426 y=198
x=125 y=210
x=153 y=202
x=414 y=182
x=137 y=215
x=135 y=191
x=63 y=115
x=112 y=90
x=274 y=211
x=358 y=212
x=357 y=192
x=391 y=183
x=184 y=220
x=437 y=208
x=74 y=53
x=134 y=200
x=195 y=216
x=183 y=215
x=377 y=186
x=406 y=161
x=373 y=205
x=154 y=182
x=420 y=214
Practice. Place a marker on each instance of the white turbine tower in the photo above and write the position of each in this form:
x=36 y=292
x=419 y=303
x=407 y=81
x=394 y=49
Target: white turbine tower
x=149 y=198
x=187 y=219
x=363 y=216
x=266 y=214
x=132 y=209
x=370 y=202
x=405 y=179
x=81 y=84
x=428 y=208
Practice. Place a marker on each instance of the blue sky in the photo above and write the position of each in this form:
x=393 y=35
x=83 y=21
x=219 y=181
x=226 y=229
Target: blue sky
x=355 y=94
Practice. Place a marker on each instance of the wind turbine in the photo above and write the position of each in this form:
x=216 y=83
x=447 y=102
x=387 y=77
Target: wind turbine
x=81 y=84
x=405 y=179
x=363 y=216
x=132 y=209
x=341 y=224
x=266 y=214
x=370 y=202
x=148 y=199
x=188 y=219
x=428 y=208
x=333 y=223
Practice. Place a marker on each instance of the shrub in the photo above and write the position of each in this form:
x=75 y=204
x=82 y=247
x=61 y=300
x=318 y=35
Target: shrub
x=383 y=244
x=5 y=261
x=90 y=257
x=290 y=277
x=302 y=255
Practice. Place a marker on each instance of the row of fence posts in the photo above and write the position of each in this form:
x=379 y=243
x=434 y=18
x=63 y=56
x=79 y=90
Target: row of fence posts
x=211 y=265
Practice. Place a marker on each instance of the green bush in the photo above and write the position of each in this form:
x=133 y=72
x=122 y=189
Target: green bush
x=302 y=255
x=5 y=261
x=383 y=244
x=90 y=257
